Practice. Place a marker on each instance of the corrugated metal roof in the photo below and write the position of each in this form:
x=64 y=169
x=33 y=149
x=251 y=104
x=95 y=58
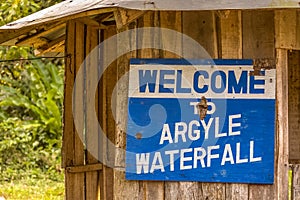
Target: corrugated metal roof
x=71 y=7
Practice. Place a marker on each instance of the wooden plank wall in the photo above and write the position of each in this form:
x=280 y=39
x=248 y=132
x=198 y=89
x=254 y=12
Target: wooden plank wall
x=224 y=34
x=294 y=105
x=82 y=172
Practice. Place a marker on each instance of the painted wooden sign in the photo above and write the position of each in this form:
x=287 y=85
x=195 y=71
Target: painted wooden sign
x=200 y=120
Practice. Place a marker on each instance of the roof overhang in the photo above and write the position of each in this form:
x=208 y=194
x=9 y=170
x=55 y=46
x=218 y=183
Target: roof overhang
x=46 y=27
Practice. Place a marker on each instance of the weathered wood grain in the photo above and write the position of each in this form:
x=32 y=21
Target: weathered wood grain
x=124 y=189
x=295 y=182
x=258 y=34
x=92 y=132
x=149 y=19
x=68 y=125
x=173 y=21
x=107 y=83
x=281 y=148
x=230 y=36
x=78 y=184
x=294 y=106
x=287 y=33
x=200 y=26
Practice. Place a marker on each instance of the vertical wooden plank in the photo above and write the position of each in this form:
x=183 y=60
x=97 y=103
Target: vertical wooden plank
x=150 y=19
x=258 y=34
x=79 y=185
x=294 y=106
x=230 y=36
x=282 y=138
x=296 y=182
x=123 y=189
x=183 y=190
x=288 y=33
x=200 y=26
x=150 y=189
x=298 y=31
x=109 y=78
x=92 y=132
x=171 y=20
x=68 y=125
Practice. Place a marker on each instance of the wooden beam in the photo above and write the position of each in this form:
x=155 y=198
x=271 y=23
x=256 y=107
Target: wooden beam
x=31 y=39
x=92 y=23
x=53 y=46
x=124 y=16
x=9 y=34
x=84 y=168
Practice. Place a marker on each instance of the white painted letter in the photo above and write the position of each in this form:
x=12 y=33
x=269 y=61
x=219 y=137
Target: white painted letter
x=199 y=157
x=191 y=131
x=225 y=158
x=252 y=159
x=183 y=159
x=206 y=127
x=171 y=154
x=181 y=132
x=217 y=125
x=159 y=165
x=142 y=162
x=165 y=134
x=232 y=125
x=209 y=155
x=238 y=154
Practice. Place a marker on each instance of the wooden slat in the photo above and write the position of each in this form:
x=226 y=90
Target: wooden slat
x=153 y=189
x=78 y=190
x=109 y=79
x=123 y=189
x=294 y=106
x=149 y=19
x=295 y=182
x=282 y=138
x=183 y=190
x=201 y=27
x=287 y=33
x=84 y=168
x=230 y=35
x=258 y=34
x=68 y=125
x=171 y=20
x=212 y=191
x=92 y=132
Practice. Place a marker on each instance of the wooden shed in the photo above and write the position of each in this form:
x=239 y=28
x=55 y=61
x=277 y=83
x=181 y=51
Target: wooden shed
x=265 y=31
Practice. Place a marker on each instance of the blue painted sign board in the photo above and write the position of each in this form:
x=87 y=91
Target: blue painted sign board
x=167 y=140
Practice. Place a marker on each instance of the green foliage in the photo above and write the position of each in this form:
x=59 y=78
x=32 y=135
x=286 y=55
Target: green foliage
x=12 y=10
x=30 y=119
x=31 y=94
